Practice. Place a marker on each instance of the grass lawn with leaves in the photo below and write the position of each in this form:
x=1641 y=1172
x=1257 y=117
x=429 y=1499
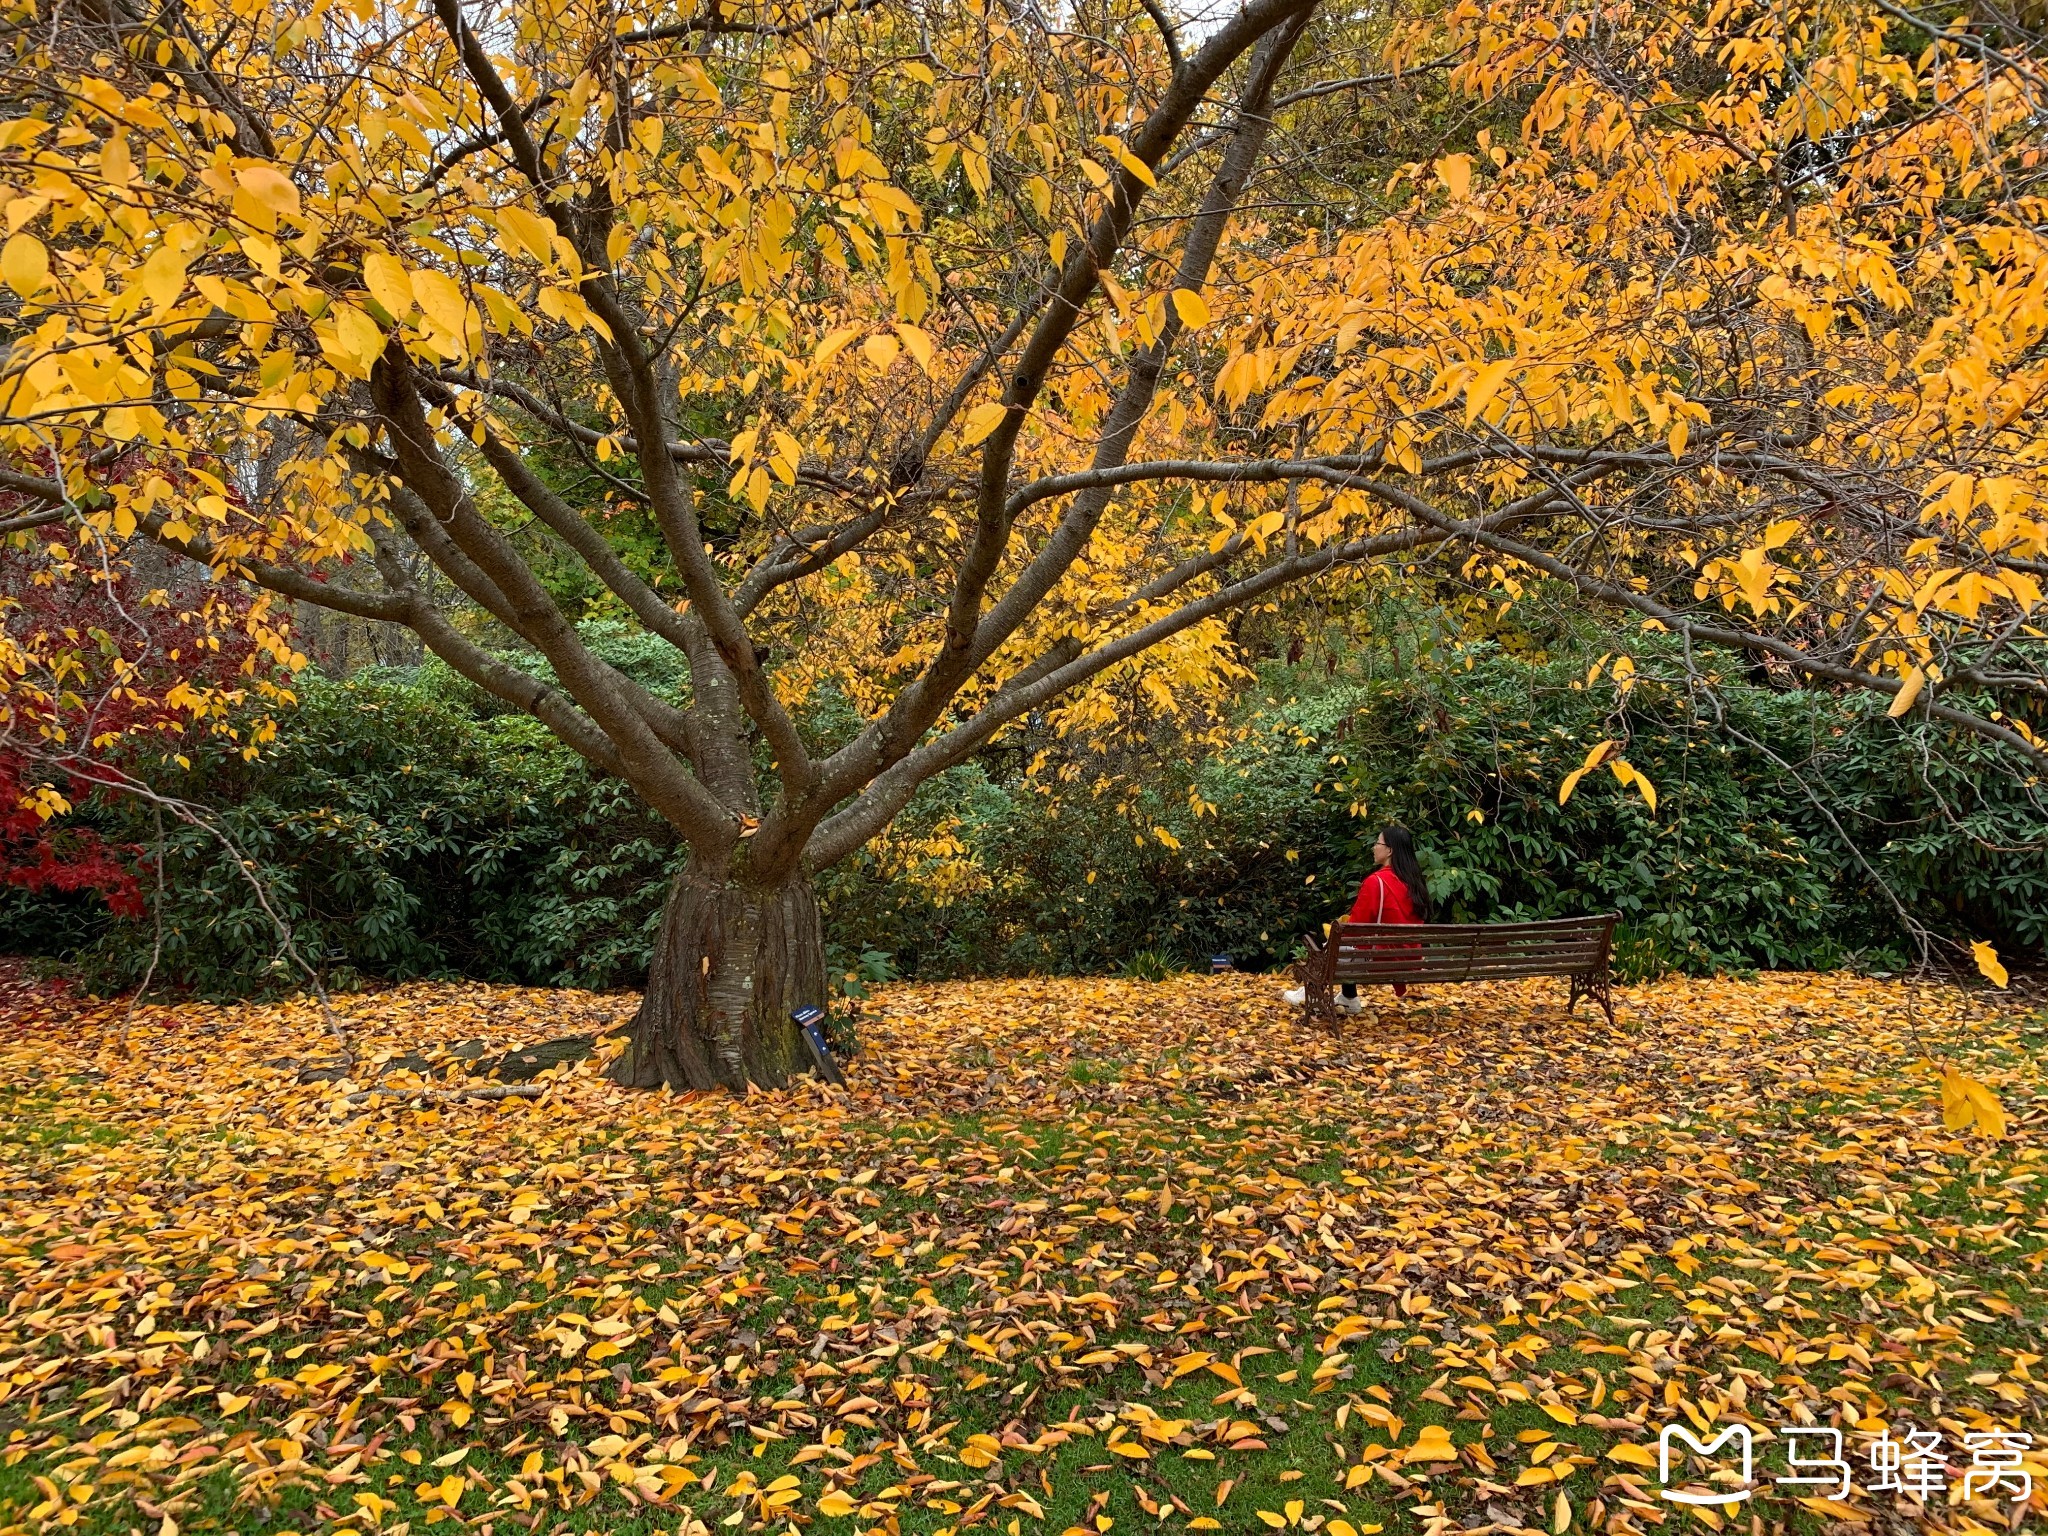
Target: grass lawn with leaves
x=1112 y=1256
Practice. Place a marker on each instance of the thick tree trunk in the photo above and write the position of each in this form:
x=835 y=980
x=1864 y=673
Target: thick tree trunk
x=731 y=963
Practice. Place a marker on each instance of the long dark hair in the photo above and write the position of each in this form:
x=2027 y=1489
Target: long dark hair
x=1401 y=844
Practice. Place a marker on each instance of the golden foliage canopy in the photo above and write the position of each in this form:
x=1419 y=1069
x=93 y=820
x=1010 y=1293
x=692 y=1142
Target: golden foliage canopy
x=964 y=364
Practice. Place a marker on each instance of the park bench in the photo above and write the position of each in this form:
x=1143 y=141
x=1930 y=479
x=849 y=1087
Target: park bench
x=1381 y=954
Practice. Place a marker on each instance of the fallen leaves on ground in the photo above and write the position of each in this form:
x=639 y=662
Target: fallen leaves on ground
x=1071 y=1254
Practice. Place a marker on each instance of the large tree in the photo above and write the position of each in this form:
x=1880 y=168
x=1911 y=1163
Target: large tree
x=960 y=359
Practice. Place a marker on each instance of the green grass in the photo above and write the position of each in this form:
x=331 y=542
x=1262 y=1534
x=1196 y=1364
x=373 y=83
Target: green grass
x=1947 y=1207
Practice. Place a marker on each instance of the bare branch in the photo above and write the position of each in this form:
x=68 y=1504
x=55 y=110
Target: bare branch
x=1168 y=36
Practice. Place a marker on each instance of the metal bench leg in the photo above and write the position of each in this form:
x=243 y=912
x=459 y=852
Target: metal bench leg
x=1321 y=1004
x=1315 y=993
x=1604 y=997
x=1313 y=975
x=1593 y=985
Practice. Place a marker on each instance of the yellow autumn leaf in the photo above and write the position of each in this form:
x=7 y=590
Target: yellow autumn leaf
x=981 y=421
x=1455 y=172
x=836 y=1505
x=117 y=164
x=389 y=283
x=1484 y=385
x=163 y=277
x=1989 y=1111
x=506 y=318
x=1628 y=774
x=24 y=265
x=270 y=187
x=1909 y=691
x=1432 y=1443
x=1136 y=167
x=881 y=351
x=918 y=343
x=529 y=232
x=568 y=305
x=350 y=340
x=1988 y=963
x=1965 y=1102
x=442 y=300
x=1957 y=1112
x=1593 y=760
x=834 y=343
x=1191 y=307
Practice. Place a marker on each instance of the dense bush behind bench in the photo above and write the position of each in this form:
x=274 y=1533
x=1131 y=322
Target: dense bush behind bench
x=410 y=830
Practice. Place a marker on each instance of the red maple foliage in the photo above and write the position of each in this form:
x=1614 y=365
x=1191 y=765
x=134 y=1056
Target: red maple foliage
x=101 y=666
x=44 y=855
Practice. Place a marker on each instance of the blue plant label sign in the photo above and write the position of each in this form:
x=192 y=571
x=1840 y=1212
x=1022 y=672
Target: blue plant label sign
x=810 y=1019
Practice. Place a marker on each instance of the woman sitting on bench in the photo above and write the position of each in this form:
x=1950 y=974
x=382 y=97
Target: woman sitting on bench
x=1394 y=892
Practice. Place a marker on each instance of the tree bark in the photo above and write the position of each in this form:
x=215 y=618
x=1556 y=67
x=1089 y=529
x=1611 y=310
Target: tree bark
x=731 y=963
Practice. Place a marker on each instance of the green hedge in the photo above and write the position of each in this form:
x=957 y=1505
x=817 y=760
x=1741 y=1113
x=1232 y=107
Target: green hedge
x=1764 y=855
x=409 y=829
x=403 y=834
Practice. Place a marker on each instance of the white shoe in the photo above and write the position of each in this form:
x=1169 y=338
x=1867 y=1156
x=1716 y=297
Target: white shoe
x=1352 y=1005
x=1294 y=997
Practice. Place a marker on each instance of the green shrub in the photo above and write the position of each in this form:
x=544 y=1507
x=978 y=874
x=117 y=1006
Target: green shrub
x=407 y=826
x=400 y=836
x=1764 y=855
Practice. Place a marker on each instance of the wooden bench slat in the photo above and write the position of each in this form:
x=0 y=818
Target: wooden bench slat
x=1435 y=946
x=1533 y=954
x=1450 y=965
x=1390 y=974
x=1467 y=931
x=1373 y=954
x=1420 y=974
x=1463 y=951
x=1544 y=956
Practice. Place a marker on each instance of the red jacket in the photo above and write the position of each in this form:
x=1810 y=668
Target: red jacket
x=1383 y=898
